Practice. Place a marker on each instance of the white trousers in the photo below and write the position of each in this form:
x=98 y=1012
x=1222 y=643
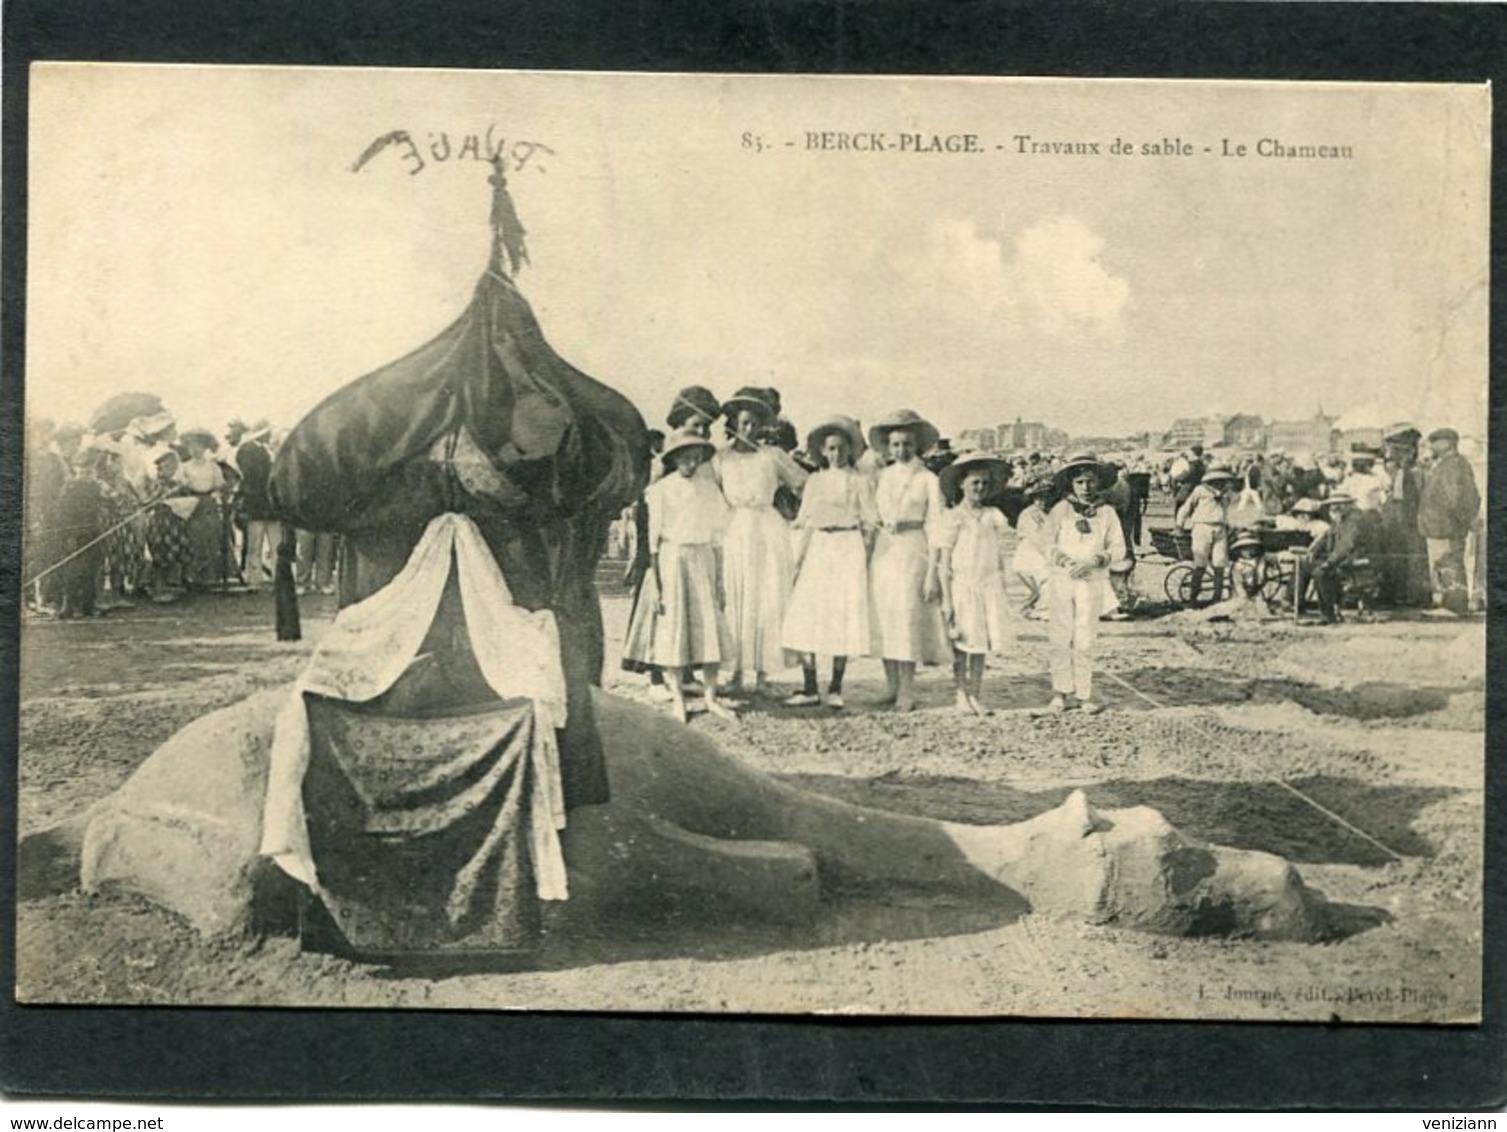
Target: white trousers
x=1075 y=607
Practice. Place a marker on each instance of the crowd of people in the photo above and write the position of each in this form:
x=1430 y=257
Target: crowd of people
x=755 y=550
x=146 y=512
x=1402 y=523
x=759 y=553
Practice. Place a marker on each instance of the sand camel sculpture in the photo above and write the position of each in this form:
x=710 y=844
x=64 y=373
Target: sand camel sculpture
x=485 y=448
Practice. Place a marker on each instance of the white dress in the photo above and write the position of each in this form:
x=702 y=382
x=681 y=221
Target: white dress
x=1029 y=561
x=828 y=611
x=686 y=521
x=976 y=536
x=756 y=565
x=906 y=628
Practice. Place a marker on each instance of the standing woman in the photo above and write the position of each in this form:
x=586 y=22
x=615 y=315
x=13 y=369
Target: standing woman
x=201 y=477
x=684 y=625
x=906 y=592
x=756 y=564
x=828 y=613
x=1085 y=539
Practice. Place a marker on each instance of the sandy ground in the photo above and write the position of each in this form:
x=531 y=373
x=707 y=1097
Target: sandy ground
x=1380 y=724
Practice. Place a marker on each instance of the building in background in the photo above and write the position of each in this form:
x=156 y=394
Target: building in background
x=984 y=439
x=1302 y=437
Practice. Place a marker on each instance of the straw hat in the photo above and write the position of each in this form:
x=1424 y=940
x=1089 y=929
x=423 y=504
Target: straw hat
x=847 y=426
x=1246 y=540
x=1339 y=498
x=1103 y=473
x=200 y=436
x=679 y=441
x=923 y=430
x=1305 y=506
x=1219 y=472
x=752 y=397
x=1403 y=432
x=996 y=469
x=1038 y=485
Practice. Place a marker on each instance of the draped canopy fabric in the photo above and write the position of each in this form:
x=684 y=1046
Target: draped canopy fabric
x=562 y=443
x=370 y=645
x=489 y=422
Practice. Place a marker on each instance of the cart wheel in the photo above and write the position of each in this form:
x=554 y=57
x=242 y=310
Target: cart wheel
x=1179 y=584
x=1275 y=581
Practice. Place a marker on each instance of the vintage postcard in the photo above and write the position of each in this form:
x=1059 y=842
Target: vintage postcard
x=745 y=544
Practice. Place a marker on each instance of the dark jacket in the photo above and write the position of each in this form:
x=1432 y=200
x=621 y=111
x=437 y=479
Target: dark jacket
x=1450 y=500
x=255 y=464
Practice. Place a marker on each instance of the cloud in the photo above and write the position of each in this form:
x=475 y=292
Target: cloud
x=1049 y=280
x=1058 y=275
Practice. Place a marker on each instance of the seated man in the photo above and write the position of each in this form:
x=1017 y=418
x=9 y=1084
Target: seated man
x=1338 y=554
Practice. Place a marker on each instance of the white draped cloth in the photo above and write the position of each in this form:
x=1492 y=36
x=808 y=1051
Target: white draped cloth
x=369 y=646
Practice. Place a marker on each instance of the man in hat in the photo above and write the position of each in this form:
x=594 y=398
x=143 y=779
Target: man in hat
x=1447 y=509
x=1205 y=516
x=1333 y=557
x=1404 y=557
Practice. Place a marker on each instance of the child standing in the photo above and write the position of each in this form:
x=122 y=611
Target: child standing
x=679 y=623
x=972 y=571
x=828 y=612
x=1030 y=561
x=1085 y=539
x=1205 y=515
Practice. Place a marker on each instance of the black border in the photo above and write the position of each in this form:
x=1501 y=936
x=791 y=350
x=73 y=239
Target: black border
x=655 y=1060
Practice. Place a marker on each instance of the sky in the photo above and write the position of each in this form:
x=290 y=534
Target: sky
x=200 y=233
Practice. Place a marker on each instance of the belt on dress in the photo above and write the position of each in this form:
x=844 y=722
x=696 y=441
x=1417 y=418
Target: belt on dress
x=849 y=527
x=904 y=525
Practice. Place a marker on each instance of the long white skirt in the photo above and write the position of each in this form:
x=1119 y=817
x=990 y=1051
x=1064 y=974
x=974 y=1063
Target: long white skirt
x=757 y=574
x=828 y=611
x=905 y=627
x=692 y=629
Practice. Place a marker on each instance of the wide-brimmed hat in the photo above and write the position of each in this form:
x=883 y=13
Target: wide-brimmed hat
x=149 y=426
x=680 y=440
x=1038 y=485
x=847 y=426
x=1246 y=540
x=752 y=397
x=694 y=401
x=261 y=429
x=1305 y=506
x=235 y=423
x=1104 y=474
x=1448 y=434
x=1219 y=472
x=996 y=469
x=201 y=436
x=923 y=430
x=1337 y=498
x=1404 y=432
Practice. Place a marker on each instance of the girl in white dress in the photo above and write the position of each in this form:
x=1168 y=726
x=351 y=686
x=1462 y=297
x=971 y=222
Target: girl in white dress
x=1030 y=561
x=828 y=612
x=1085 y=539
x=756 y=562
x=905 y=590
x=683 y=624
x=972 y=571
